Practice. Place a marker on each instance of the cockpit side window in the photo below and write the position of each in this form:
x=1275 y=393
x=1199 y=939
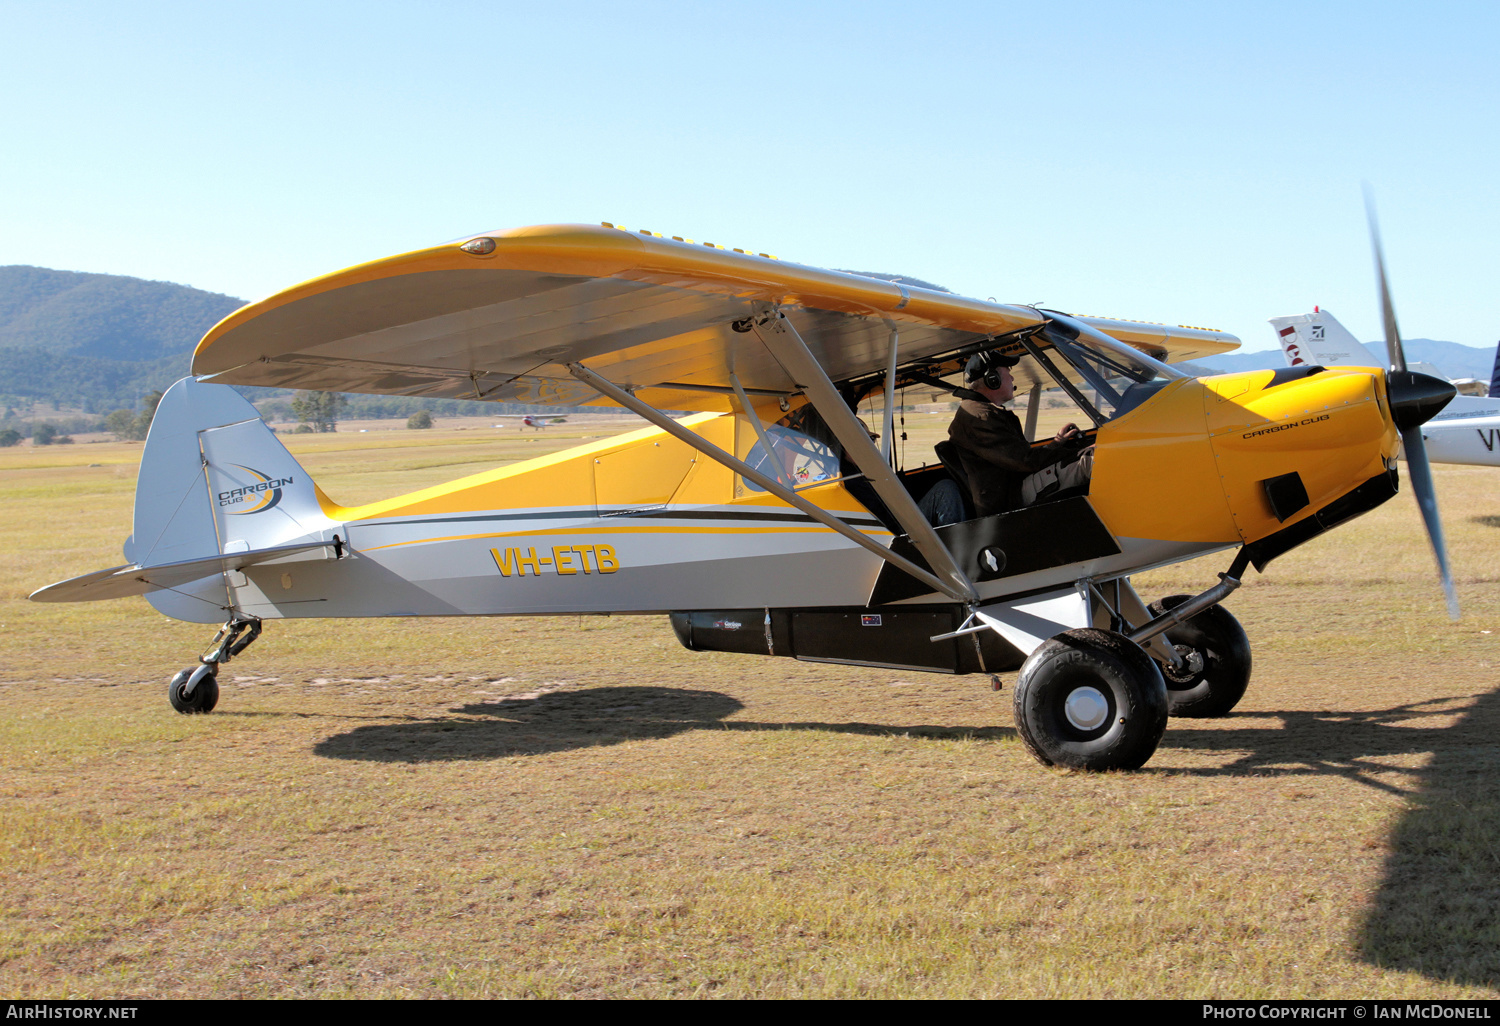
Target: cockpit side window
x=1047 y=365
x=795 y=458
x=803 y=451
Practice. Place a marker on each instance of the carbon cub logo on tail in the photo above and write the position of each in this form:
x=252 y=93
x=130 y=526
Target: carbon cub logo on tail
x=261 y=494
x=250 y=472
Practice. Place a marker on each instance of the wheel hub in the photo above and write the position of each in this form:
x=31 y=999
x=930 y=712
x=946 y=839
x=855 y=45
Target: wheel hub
x=1086 y=708
x=1191 y=658
x=1189 y=672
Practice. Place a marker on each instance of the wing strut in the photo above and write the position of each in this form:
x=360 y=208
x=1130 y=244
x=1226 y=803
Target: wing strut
x=771 y=485
x=798 y=361
x=886 y=444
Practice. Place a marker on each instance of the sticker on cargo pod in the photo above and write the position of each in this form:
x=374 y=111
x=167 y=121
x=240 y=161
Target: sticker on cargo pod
x=565 y=560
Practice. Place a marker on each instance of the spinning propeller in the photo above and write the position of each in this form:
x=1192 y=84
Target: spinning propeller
x=1415 y=398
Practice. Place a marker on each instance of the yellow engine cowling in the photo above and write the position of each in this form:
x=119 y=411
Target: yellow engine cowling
x=1244 y=457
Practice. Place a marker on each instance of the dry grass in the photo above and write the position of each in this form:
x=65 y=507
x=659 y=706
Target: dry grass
x=571 y=807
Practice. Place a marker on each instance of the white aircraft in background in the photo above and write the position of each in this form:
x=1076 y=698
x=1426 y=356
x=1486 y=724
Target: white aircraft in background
x=1467 y=431
x=531 y=420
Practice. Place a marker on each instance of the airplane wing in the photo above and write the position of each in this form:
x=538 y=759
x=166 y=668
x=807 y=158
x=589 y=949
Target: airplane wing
x=498 y=316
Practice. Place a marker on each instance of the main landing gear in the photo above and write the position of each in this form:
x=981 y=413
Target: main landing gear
x=195 y=689
x=1215 y=656
x=1091 y=699
x=1099 y=699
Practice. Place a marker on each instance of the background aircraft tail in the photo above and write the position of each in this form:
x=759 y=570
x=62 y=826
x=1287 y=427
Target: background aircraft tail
x=1318 y=339
x=215 y=480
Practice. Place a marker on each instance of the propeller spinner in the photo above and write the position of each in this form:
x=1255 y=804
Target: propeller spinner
x=1415 y=399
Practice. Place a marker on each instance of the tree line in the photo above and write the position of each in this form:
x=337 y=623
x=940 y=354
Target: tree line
x=317 y=412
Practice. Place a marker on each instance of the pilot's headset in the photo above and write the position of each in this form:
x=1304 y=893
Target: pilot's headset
x=985 y=367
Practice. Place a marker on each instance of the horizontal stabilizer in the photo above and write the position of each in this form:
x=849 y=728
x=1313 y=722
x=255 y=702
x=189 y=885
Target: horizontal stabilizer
x=124 y=581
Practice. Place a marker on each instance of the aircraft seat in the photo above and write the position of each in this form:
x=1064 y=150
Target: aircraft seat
x=947 y=454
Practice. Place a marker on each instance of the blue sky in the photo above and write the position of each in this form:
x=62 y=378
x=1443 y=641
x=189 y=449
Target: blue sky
x=1189 y=163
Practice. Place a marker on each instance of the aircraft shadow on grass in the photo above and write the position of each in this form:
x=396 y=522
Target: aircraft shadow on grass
x=566 y=720
x=1436 y=911
x=1356 y=745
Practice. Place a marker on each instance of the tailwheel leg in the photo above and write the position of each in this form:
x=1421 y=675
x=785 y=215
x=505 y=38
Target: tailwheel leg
x=195 y=689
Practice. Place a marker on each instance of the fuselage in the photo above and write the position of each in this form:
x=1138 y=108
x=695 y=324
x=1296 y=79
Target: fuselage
x=644 y=523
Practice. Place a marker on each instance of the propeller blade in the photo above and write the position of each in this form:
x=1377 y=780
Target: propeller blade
x=1420 y=471
x=1414 y=448
x=1395 y=352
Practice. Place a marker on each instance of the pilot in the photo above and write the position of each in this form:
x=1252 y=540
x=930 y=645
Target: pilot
x=1005 y=471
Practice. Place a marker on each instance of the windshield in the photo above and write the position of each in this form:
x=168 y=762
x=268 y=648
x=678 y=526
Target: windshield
x=1104 y=376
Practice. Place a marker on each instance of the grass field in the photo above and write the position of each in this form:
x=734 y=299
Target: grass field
x=580 y=807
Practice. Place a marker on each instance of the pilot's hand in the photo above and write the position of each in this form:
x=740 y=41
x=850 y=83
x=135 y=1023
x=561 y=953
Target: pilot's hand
x=1069 y=433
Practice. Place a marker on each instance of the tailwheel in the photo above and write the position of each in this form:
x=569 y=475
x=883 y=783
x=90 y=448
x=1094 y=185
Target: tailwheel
x=194 y=689
x=1091 y=699
x=1216 y=661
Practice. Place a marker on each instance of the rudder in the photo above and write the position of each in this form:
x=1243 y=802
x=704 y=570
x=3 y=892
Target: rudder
x=214 y=478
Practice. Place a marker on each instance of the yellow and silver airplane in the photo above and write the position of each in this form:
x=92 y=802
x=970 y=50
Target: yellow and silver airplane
x=769 y=521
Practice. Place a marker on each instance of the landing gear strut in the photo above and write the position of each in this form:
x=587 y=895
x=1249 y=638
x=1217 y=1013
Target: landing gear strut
x=1211 y=668
x=195 y=689
x=1215 y=660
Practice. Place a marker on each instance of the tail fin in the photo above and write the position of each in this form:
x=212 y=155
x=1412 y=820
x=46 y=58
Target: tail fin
x=214 y=479
x=1318 y=339
x=1495 y=376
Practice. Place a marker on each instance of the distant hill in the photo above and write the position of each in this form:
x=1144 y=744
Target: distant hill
x=98 y=341
x=1454 y=360
x=108 y=316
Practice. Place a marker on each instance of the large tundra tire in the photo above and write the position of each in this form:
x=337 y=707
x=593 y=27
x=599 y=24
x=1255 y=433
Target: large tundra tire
x=1091 y=699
